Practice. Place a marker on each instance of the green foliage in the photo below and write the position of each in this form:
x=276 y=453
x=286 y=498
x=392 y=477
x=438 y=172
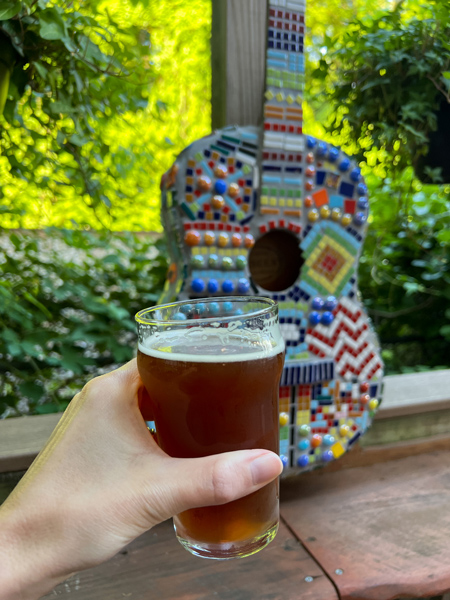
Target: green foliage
x=102 y=96
x=386 y=75
x=67 y=302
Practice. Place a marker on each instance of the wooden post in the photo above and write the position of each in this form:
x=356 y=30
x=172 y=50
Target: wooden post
x=238 y=45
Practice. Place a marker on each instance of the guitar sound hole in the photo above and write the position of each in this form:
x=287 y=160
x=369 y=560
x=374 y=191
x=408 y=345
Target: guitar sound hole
x=275 y=260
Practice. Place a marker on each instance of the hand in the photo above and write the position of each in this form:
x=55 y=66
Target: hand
x=100 y=482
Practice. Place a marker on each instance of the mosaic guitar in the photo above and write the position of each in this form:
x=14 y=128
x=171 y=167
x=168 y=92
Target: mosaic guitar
x=274 y=212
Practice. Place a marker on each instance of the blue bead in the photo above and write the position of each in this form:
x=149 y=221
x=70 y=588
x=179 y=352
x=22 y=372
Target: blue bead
x=355 y=175
x=303 y=460
x=284 y=460
x=198 y=285
x=186 y=308
x=362 y=189
x=227 y=306
x=239 y=311
x=200 y=308
x=327 y=318
x=322 y=149
x=314 y=318
x=363 y=203
x=214 y=307
x=227 y=286
x=310 y=141
x=213 y=286
x=330 y=303
x=327 y=456
x=179 y=316
x=303 y=445
x=333 y=154
x=243 y=286
x=344 y=165
x=328 y=440
x=360 y=218
x=220 y=186
x=317 y=303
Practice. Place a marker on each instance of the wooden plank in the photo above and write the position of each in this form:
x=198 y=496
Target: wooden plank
x=238 y=45
x=407 y=427
x=414 y=393
x=379 y=532
x=22 y=439
x=156 y=566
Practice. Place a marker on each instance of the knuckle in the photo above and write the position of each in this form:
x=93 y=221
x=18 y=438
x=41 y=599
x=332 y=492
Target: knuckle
x=222 y=482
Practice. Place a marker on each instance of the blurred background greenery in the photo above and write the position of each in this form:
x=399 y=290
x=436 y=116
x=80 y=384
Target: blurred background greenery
x=98 y=98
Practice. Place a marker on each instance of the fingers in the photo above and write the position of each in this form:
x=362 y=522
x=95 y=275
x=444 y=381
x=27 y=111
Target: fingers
x=189 y=483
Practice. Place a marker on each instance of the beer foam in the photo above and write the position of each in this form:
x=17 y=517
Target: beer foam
x=204 y=346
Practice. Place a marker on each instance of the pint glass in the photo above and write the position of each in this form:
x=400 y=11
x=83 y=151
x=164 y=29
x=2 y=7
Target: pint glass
x=212 y=369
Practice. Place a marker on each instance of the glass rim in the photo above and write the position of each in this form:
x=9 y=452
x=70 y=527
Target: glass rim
x=271 y=305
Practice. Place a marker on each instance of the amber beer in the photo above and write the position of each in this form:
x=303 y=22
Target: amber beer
x=210 y=396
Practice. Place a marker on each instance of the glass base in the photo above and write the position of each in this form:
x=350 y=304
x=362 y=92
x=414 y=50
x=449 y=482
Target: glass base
x=228 y=550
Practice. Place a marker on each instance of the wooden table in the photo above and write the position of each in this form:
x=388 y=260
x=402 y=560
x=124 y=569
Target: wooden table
x=371 y=533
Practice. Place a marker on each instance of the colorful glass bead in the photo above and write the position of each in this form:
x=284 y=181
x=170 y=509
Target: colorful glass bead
x=223 y=240
x=309 y=202
x=220 y=187
x=186 y=308
x=314 y=318
x=192 y=238
x=241 y=261
x=209 y=238
x=303 y=444
x=199 y=308
x=325 y=212
x=327 y=318
x=364 y=387
x=233 y=190
x=336 y=214
x=344 y=430
x=213 y=261
x=316 y=440
x=227 y=263
x=197 y=261
x=213 y=286
x=214 y=307
x=344 y=165
x=322 y=149
x=284 y=460
x=362 y=189
x=313 y=215
x=330 y=303
x=310 y=142
x=284 y=419
x=363 y=203
x=179 y=316
x=303 y=460
x=310 y=158
x=328 y=440
x=327 y=456
x=217 y=202
x=227 y=286
x=317 y=303
x=373 y=404
x=355 y=174
x=346 y=219
x=227 y=306
x=304 y=430
x=198 y=285
x=309 y=185
x=364 y=399
x=204 y=183
x=243 y=286
x=249 y=241
x=333 y=154
x=236 y=240
x=360 y=218
x=310 y=171
x=221 y=171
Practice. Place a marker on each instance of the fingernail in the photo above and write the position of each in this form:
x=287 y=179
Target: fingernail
x=265 y=468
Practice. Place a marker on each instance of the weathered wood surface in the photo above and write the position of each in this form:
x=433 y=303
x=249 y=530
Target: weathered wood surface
x=238 y=46
x=385 y=527
x=155 y=566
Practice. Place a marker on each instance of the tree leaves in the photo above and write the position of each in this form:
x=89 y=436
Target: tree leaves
x=9 y=9
x=51 y=24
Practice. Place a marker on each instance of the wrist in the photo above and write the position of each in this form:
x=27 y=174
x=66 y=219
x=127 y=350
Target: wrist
x=29 y=566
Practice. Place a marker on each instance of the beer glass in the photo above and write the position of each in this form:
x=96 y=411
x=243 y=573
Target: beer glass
x=212 y=369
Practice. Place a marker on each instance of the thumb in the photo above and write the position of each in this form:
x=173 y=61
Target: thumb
x=217 y=479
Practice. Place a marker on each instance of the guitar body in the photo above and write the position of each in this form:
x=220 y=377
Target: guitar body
x=270 y=211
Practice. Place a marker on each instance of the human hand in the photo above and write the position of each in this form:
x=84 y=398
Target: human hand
x=101 y=481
